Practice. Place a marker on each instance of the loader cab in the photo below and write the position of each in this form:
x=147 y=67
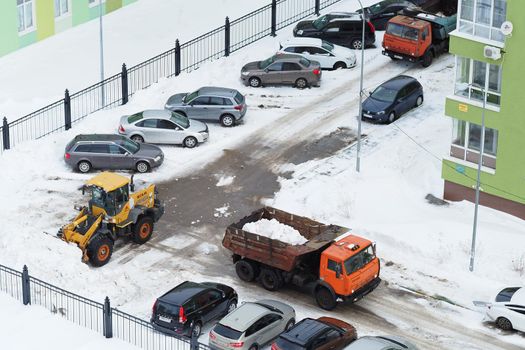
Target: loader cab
x=109 y=194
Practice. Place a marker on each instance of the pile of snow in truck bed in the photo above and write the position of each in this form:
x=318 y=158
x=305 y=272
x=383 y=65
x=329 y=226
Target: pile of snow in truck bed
x=275 y=230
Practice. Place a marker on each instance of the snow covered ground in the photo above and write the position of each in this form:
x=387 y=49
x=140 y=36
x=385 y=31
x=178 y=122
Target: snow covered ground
x=134 y=33
x=33 y=327
x=426 y=246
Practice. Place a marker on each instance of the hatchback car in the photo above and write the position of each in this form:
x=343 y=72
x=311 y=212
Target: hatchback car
x=392 y=99
x=380 y=13
x=330 y=56
x=163 y=126
x=109 y=151
x=340 y=28
x=187 y=307
x=310 y=334
x=381 y=343
x=282 y=69
x=508 y=309
x=227 y=106
x=252 y=325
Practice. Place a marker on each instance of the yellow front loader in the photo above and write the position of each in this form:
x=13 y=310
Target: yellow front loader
x=114 y=210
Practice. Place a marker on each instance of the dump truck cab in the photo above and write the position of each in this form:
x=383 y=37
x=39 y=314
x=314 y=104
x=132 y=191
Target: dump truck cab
x=115 y=208
x=417 y=36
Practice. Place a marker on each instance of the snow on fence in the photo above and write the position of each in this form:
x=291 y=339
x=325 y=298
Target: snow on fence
x=99 y=317
x=186 y=57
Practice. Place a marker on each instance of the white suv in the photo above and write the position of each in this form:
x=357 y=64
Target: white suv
x=508 y=310
x=329 y=55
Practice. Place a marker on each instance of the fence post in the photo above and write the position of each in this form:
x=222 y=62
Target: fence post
x=194 y=342
x=177 y=57
x=227 y=37
x=274 y=17
x=5 y=134
x=107 y=320
x=124 y=76
x=317 y=7
x=67 y=110
x=26 y=290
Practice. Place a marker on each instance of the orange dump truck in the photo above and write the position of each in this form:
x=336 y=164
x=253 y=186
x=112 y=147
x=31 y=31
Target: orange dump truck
x=333 y=264
x=418 y=36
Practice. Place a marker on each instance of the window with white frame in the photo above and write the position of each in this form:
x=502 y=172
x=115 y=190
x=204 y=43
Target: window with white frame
x=468 y=136
x=25 y=14
x=483 y=18
x=61 y=7
x=473 y=76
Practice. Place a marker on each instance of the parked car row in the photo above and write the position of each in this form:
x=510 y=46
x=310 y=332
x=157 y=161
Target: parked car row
x=187 y=308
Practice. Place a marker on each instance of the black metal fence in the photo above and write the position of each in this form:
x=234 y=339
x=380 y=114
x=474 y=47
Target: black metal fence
x=99 y=317
x=116 y=90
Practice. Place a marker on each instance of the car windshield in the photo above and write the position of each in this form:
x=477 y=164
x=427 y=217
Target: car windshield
x=359 y=260
x=130 y=146
x=134 y=117
x=376 y=8
x=321 y=22
x=288 y=345
x=506 y=294
x=227 y=332
x=266 y=62
x=402 y=31
x=180 y=120
x=239 y=98
x=384 y=94
x=190 y=97
x=327 y=46
x=167 y=309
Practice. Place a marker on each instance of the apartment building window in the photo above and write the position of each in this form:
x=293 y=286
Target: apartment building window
x=466 y=143
x=61 y=7
x=483 y=18
x=25 y=14
x=472 y=74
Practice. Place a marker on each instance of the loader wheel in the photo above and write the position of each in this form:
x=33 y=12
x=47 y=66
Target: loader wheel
x=142 y=230
x=99 y=251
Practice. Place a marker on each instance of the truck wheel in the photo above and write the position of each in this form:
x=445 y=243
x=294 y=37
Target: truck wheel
x=427 y=59
x=99 y=250
x=325 y=299
x=245 y=270
x=143 y=230
x=270 y=280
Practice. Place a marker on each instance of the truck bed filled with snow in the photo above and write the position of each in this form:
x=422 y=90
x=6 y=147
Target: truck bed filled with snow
x=275 y=230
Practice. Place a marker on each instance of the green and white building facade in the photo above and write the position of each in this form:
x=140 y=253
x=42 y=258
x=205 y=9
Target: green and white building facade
x=492 y=64
x=23 y=22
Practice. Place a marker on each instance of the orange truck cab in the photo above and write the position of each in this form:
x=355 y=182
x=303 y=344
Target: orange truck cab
x=418 y=37
x=349 y=268
x=332 y=264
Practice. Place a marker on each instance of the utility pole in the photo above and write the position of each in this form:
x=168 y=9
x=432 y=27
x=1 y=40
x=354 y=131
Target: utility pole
x=102 y=96
x=358 y=159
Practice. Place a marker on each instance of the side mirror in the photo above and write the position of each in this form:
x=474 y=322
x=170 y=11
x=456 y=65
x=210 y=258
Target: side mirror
x=78 y=207
x=266 y=70
x=338 y=271
x=305 y=53
x=369 y=93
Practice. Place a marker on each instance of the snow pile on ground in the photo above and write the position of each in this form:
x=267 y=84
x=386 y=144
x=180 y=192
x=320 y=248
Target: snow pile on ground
x=225 y=180
x=34 y=327
x=275 y=230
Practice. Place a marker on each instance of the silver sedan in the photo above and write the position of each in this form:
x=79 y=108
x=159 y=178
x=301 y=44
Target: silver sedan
x=388 y=342
x=252 y=325
x=163 y=126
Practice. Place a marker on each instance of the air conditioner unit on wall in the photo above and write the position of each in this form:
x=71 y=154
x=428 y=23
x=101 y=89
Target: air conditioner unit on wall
x=492 y=52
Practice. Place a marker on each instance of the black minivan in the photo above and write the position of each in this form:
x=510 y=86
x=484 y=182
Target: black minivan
x=340 y=28
x=392 y=99
x=187 y=307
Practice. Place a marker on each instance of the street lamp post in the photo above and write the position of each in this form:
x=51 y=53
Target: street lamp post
x=102 y=100
x=358 y=159
x=480 y=161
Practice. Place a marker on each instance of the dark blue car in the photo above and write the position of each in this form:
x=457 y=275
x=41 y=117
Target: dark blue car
x=392 y=99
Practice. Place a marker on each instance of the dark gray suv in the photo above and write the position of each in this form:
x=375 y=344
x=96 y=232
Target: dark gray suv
x=223 y=105
x=109 y=151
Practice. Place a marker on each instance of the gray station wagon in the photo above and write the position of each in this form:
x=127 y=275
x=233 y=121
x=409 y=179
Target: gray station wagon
x=282 y=69
x=163 y=126
x=108 y=151
x=227 y=106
